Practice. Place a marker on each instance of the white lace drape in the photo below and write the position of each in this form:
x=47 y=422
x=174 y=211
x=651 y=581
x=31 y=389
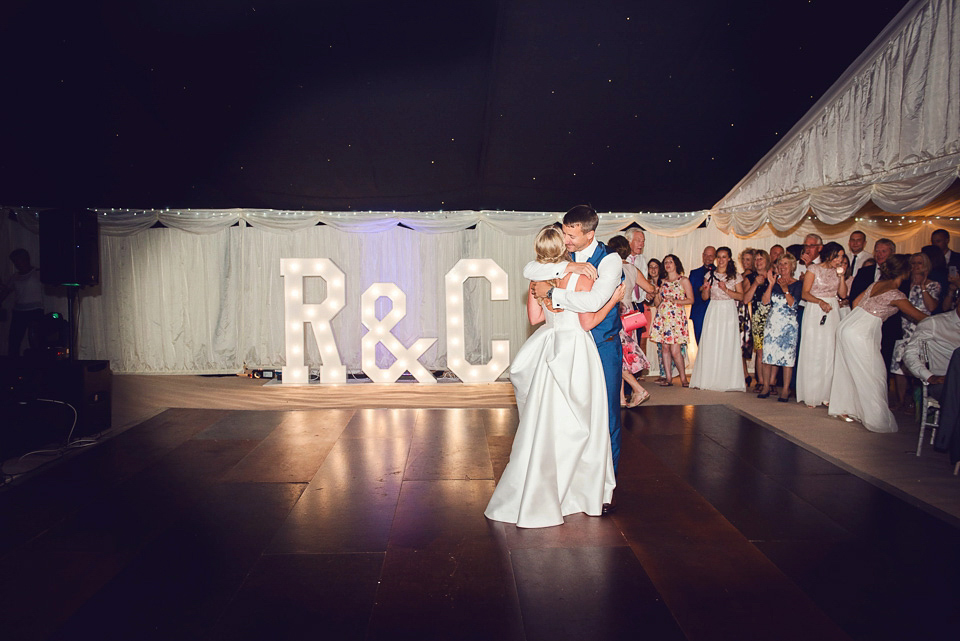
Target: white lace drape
x=888 y=131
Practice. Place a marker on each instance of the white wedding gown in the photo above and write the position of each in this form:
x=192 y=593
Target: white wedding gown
x=561 y=462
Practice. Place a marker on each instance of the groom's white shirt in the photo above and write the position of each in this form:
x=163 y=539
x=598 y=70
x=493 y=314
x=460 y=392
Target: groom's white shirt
x=609 y=272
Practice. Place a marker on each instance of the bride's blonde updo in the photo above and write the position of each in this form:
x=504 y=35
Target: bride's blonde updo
x=549 y=246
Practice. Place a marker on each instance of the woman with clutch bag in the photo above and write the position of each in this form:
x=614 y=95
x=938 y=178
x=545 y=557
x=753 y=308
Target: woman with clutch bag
x=634 y=358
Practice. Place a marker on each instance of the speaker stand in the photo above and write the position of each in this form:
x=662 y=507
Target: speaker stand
x=73 y=293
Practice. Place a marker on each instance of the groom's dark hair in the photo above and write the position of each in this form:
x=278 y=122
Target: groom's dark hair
x=582 y=215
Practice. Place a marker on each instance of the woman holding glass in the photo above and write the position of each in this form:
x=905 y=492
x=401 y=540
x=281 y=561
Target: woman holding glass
x=719 y=350
x=823 y=287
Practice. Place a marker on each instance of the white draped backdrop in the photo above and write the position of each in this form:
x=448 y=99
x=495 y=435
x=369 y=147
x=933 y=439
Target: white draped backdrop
x=204 y=295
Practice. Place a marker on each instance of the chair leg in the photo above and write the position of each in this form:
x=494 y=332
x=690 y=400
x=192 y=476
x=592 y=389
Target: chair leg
x=923 y=425
x=956 y=468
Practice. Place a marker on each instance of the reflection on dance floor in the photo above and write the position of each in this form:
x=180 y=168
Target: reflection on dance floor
x=368 y=524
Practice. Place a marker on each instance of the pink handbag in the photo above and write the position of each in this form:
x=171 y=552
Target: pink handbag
x=633 y=320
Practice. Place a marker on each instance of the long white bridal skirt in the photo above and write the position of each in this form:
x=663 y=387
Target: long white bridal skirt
x=817 y=348
x=859 y=388
x=561 y=461
x=719 y=360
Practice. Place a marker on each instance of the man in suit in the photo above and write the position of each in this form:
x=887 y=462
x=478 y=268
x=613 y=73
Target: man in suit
x=595 y=259
x=941 y=240
x=892 y=329
x=858 y=255
x=697 y=277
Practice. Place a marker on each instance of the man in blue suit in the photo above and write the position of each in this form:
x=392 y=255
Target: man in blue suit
x=596 y=260
x=697 y=277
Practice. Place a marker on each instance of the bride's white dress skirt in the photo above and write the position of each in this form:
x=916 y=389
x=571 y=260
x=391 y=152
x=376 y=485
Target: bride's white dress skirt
x=719 y=360
x=859 y=388
x=561 y=461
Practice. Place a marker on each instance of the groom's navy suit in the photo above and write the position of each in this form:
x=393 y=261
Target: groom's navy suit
x=606 y=335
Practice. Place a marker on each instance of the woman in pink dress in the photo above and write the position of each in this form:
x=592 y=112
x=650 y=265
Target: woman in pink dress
x=823 y=287
x=859 y=387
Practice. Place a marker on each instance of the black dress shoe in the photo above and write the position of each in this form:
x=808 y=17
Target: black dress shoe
x=764 y=395
x=608 y=508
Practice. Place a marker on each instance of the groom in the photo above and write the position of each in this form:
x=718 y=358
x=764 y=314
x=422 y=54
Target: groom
x=595 y=260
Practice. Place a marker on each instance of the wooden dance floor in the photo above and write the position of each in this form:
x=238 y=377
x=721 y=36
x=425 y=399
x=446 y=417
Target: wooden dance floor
x=367 y=524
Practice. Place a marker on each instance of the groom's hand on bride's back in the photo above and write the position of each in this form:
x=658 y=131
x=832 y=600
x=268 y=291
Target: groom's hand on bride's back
x=584 y=269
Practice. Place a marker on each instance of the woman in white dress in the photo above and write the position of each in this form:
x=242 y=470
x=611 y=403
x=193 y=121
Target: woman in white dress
x=561 y=461
x=718 y=360
x=823 y=287
x=859 y=387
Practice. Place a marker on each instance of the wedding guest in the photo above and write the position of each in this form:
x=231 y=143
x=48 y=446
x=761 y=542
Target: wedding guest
x=775 y=253
x=938 y=270
x=27 y=314
x=953 y=293
x=654 y=276
x=781 y=331
x=719 y=351
x=654 y=267
x=928 y=351
x=924 y=294
x=857 y=254
x=754 y=293
x=882 y=249
x=823 y=287
x=858 y=390
x=892 y=331
x=941 y=240
x=809 y=254
x=638 y=240
x=816 y=242
x=697 y=277
x=845 y=302
x=670 y=326
x=744 y=312
x=634 y=357
x=654 y=305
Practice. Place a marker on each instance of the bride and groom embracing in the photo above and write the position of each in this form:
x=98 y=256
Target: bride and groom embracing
x=567 y=379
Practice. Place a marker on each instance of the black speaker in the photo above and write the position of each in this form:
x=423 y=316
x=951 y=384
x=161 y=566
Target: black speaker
x=88 y=386
x=69 y=247
x=31 y=421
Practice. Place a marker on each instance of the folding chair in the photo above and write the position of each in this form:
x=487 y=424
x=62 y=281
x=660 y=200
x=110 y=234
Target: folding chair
x=928 y=405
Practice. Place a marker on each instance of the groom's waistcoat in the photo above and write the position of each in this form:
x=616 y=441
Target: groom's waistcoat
x=610 y=326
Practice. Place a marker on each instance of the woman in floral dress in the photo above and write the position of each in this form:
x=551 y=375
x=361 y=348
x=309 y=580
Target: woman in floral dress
x=781 y=331
x=670 y=325
x=758 y=318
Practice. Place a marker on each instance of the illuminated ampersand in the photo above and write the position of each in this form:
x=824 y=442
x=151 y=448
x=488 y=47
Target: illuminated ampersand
x=456 y=355
x=379 y=331
x=318 y=315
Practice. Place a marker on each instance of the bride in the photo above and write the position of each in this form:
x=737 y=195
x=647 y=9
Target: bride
x=561 y=461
